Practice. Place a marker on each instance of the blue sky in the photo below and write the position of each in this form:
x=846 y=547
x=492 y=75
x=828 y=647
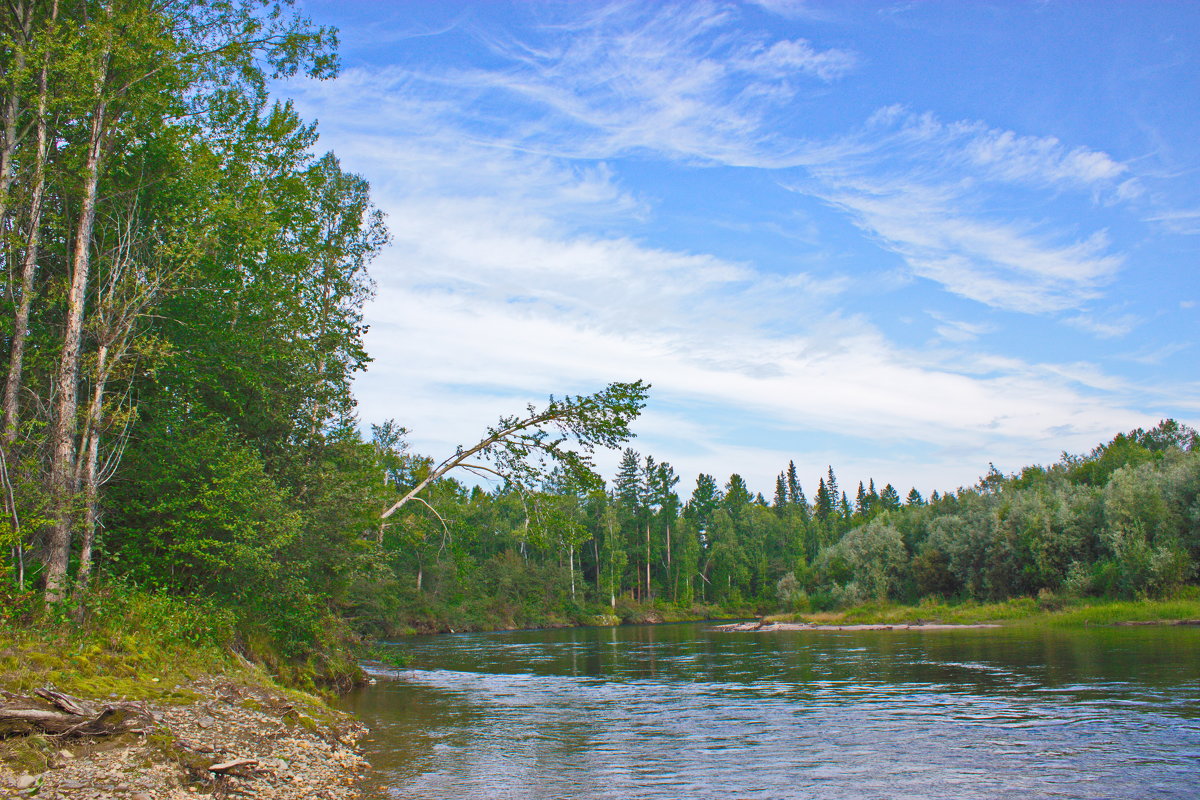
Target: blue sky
x=903 y=239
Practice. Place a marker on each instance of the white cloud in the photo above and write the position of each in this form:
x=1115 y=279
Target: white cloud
x=1182 y=221
x=680 y=79
x=491 y=293
x=922 y=189
x=498 y=308
x=790 y=9
x=959 y=331
x=1108 y=327
x=787 y=57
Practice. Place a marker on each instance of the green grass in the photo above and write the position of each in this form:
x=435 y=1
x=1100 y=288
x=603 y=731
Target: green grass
x=134 y=646
x=141 y=646
x=1045 y=609
x=131 y=645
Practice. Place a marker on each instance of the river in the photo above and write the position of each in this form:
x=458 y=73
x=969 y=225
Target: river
x=682 y=711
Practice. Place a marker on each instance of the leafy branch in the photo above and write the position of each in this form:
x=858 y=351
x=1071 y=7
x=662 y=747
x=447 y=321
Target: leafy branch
x=566 y=433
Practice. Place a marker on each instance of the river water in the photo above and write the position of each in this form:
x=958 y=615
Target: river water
x=682 y=711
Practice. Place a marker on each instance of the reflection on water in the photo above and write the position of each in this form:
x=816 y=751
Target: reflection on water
x=681 y=711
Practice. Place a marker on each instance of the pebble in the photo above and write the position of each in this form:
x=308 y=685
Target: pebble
x=294 y=762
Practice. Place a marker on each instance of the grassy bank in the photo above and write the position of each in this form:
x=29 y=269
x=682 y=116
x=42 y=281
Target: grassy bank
x=202 y=671
x=1045 y=609
x=466 y=620
x=140 y=645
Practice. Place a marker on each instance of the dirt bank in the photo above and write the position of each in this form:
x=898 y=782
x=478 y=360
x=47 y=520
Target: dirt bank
x=214 y=738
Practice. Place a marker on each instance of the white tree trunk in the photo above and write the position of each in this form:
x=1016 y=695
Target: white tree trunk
x=66 y=381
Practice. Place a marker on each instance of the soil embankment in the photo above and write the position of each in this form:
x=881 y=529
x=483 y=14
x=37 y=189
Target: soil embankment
x=229 y=740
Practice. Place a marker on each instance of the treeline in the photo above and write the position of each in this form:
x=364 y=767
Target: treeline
x=1122 y=520
x=181 y=315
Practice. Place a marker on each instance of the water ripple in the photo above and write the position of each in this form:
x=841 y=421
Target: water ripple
x=680 y=711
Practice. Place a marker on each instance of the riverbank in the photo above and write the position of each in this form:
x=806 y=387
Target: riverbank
x=1047 y=610
x=145 y=696
x=625 y=613
x=210 y=736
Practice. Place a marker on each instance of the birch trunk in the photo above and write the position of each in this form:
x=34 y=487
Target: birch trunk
x=647 y=598
x=89 y=477
x=12 y=384
x=66 y=381
x=12 y=106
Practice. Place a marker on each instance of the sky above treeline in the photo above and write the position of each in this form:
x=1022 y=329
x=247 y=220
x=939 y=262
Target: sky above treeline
x=903 y=239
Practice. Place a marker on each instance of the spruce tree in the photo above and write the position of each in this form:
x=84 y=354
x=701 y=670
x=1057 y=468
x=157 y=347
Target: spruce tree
x=628 y=483
x=704 y=501
x=822 y=502
x=889 y=498
x=831 y=486
x=794 y=492
x=780 y=502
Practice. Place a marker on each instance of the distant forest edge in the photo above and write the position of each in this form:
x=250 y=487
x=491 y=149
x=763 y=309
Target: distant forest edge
x=181 y=318
x=1122 y=521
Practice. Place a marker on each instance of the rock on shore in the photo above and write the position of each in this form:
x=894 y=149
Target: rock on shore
x=231 y=741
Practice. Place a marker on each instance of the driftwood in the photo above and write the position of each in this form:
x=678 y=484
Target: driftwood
x=231 y=765
x=62 y=715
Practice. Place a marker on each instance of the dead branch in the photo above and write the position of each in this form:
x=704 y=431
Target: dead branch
x=59 y=714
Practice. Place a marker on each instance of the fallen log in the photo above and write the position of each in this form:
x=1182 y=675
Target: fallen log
x=71 y=705
x=60 y=714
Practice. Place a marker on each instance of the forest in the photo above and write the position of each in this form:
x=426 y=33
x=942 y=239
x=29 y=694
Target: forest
x=1121 y=521
x=185 y=274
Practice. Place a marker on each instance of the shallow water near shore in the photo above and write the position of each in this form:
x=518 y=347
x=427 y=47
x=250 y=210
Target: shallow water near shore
x=676 y=711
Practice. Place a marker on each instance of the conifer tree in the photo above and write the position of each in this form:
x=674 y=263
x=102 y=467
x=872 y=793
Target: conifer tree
x=831 y=486
x=822 y=503
x=781 y=501
x=889 y=498
x=795 y=492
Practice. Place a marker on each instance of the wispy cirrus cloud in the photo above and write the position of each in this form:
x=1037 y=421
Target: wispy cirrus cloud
x=791 y=9
x=683 y=80
x=514 y=274
x=1110 y=326
x=959 y=331
x=924 y=189
x=500 y=304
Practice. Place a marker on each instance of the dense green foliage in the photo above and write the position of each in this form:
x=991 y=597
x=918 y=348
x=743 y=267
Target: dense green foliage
x=1122 y=521
x=184 y=283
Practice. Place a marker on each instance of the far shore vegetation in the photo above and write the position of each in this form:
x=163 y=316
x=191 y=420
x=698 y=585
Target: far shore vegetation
x=1045 y=610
